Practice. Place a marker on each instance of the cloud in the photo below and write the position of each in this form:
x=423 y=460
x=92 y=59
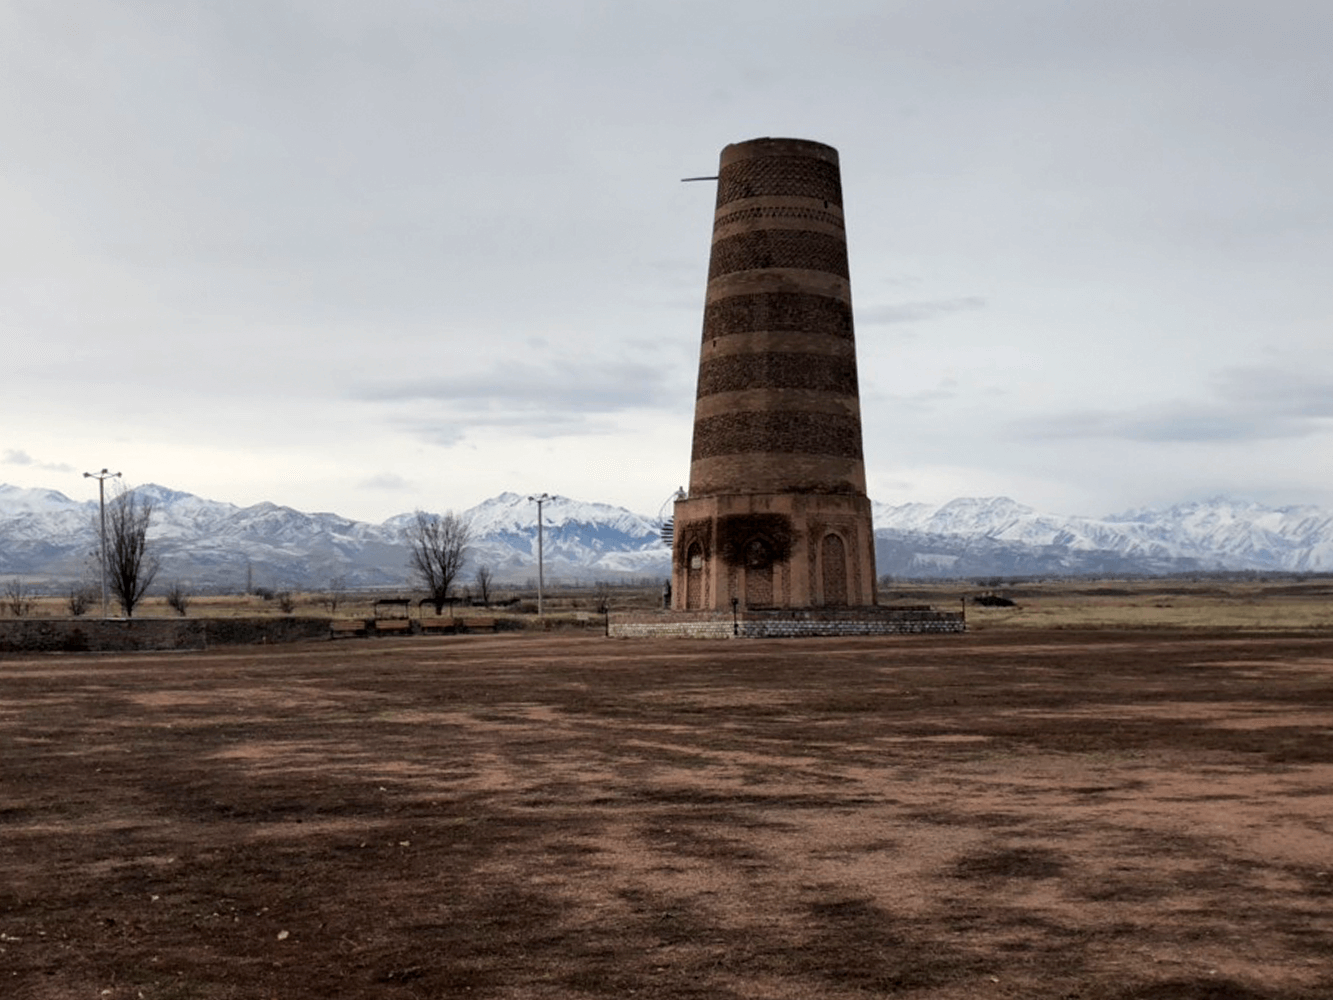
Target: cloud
x=917 y=312
x=17 y=456
x=385 y=481
x=448 y=430
x=382 y=212
x=563 y=396
x=1296 y=394
x=444 y=432
x=944 y=393
x=1204 y=424
x=1253 y=403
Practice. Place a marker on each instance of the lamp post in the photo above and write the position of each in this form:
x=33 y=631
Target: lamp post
x=101 y=478
x=541 y=582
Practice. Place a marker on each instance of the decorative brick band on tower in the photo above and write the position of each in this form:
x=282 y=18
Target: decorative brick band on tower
x=777 y=514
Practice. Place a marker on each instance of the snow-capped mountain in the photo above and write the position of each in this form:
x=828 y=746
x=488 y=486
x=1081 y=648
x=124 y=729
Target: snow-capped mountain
x=47 y=537
x=576 y=537
x=997 y=536
x=208 y=544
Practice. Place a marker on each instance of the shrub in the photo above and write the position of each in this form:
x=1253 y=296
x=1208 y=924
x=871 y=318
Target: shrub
x=80 y=600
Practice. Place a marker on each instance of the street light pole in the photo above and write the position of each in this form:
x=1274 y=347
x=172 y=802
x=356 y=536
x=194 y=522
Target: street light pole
x=101 y=478
x=541 y=569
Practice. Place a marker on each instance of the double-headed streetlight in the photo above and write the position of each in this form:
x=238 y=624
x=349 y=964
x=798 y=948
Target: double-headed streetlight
x=541 y=583
x=101 y=478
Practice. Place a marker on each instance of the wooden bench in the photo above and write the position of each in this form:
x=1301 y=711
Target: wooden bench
x=439 y=624
x=481 y=624
x=344 y=627
x=386 y=625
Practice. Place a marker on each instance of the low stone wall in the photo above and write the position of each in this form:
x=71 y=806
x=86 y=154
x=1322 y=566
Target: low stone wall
x=667 y=629
x=76 y=635
x=783 y=624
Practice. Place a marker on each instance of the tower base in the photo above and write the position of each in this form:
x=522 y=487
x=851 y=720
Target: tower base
x=752 y=551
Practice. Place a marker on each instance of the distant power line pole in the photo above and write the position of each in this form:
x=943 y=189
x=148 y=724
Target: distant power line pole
x=541 y=572
x=101 y=478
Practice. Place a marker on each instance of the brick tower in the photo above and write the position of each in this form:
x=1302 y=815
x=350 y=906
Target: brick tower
x=777 y=514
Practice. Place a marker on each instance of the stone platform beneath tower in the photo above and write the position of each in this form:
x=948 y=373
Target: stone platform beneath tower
x=783 y=623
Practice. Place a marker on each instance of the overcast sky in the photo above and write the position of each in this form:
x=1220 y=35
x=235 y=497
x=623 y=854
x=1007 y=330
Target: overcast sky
x=367 y=257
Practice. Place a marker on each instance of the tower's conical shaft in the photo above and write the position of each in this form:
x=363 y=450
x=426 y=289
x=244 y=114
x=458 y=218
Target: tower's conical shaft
x=777 y=408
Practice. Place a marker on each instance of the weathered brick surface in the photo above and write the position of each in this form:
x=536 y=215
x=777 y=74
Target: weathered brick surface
x=778 y=370
x=718 y=532
x=778 y=311
x=801 y=174
x=778 y=214
x=778 y=432
x=770 y=473
x=786 y=248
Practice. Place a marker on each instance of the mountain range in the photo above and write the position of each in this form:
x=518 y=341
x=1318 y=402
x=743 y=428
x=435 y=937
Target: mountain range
x=50 y=541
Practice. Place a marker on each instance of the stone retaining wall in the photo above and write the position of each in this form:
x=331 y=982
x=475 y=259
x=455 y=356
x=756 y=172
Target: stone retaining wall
x=75 y=635
x=784 y=624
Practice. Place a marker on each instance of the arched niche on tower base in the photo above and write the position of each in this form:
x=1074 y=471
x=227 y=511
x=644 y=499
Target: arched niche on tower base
x=759 y=560
x=833 y=570
x=694 y=577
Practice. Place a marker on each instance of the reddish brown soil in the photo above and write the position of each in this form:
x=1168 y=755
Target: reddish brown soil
x=1086 y=816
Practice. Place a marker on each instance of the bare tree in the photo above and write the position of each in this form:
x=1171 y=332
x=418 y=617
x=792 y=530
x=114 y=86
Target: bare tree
x=130 y=565
x=438 y=544
x=335 y=595
x=484 y=584
x=17 y=598
x=178 y=597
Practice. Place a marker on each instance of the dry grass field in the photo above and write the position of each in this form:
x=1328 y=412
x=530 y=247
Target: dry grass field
x=1257 y=605
x=1251 y=605
x=1136 y=813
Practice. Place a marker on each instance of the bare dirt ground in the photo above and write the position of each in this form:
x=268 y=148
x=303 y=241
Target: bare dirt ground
x=1079 y=815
